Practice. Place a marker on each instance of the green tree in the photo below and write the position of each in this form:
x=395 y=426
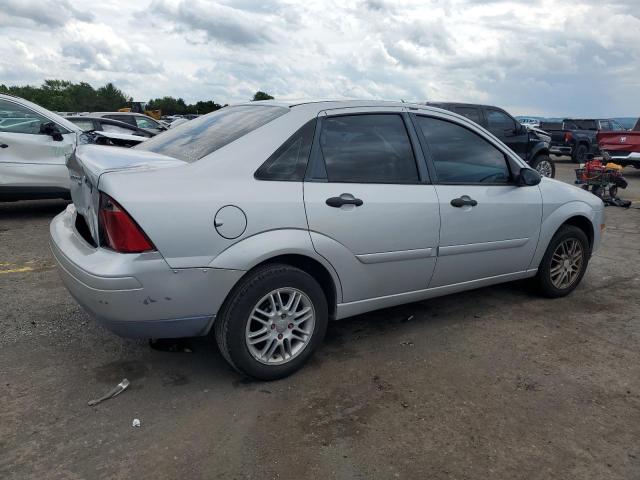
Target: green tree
x=259 y=95
x=111 y=98
x=66 y=96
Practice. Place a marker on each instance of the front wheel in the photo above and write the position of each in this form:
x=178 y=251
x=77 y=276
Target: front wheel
x=272 y=322
x=579 y=153
x=544 y=165
x=564 y=263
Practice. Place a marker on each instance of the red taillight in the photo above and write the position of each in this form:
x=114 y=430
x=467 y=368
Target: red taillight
x=118 y=230
x=568 y=136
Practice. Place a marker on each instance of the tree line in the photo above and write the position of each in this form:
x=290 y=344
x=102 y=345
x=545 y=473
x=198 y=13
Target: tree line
x=65 y=96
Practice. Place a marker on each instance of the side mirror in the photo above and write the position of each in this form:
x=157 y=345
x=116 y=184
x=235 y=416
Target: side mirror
x=51 y=129
x=528 y=177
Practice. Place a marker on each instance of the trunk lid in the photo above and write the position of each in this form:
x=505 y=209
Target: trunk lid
x=89 y=162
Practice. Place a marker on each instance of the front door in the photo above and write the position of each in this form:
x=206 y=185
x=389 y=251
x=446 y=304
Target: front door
x=29 y=159
x=489 y=225
x=370 y=209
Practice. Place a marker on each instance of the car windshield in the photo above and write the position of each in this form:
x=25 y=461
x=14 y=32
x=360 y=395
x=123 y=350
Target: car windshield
x=197 y=138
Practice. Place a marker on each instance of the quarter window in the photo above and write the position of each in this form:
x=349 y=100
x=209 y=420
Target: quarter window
x=15 y=118
x=372 y=148
x=460 y=155
x=289 y=162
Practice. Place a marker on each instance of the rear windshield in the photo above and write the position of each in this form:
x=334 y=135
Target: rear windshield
x=197 y=138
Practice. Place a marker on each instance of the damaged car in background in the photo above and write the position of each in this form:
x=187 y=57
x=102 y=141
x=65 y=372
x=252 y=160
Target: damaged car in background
x=35 y=144
x=284 y=216
x=111 y=132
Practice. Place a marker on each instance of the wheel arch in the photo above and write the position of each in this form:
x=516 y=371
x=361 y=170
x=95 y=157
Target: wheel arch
x=314 y=268
x=539 y=149
x=576 y=213
x=288 y=246
x=584 y=224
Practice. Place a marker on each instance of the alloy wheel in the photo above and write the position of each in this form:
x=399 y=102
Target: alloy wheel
x=544 y=168
x=280 y=326
x=566 y=263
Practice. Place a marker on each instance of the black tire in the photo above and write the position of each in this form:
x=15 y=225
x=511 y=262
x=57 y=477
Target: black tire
x=229 y=327
x=579 y=153
x=543 y=277
x=540 y=161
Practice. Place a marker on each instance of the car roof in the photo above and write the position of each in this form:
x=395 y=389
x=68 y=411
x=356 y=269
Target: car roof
x=460 y=104
x=320 y=105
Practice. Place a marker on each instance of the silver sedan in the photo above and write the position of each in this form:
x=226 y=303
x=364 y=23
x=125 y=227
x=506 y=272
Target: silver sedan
x=260 y=222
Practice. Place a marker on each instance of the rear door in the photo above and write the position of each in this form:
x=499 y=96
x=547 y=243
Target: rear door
x=489 y=226
x=30 y=160
x=508 y=130
x=371 y=209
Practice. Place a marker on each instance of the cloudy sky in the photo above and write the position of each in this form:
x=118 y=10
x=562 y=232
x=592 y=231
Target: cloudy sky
x=570 y=57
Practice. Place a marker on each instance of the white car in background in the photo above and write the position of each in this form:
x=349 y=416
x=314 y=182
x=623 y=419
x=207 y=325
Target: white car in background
x=34 y=146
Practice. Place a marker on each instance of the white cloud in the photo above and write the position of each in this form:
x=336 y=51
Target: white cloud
x=578 y=57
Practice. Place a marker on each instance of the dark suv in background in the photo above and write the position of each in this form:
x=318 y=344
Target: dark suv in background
x=531 y=145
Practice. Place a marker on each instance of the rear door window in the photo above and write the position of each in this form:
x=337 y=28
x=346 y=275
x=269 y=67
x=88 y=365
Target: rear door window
x=371 y=148
x=471 y=113
x=462 y=156
x=197 y=138
x=122 y=118
x=605 y=125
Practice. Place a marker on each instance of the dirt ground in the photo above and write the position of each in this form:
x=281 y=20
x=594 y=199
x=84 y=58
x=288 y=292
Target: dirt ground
x=495 y=383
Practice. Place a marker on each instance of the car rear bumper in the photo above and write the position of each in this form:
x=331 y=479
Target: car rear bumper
x=623 y=158
x=137 y=295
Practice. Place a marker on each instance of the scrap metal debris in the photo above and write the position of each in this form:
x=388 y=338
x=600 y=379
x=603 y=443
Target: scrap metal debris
x=121 y=387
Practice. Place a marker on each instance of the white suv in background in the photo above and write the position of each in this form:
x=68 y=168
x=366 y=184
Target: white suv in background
x=34 y=146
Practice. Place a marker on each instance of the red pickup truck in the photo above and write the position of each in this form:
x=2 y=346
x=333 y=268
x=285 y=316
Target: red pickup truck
x=622 y=147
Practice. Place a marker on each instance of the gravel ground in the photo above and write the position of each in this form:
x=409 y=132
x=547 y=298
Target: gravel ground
x=494 y=383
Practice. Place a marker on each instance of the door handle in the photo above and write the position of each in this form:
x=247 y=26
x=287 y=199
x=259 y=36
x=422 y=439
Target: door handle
x=344 y=199
x=463 y=201
x=3 y=145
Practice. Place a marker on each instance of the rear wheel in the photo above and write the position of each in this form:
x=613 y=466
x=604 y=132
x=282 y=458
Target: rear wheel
x=579 y=153
x=544 y=165
x=564 y=262
x=272 y=322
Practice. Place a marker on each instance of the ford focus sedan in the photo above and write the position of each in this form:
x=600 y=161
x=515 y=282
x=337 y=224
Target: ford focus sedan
x=260 y=222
